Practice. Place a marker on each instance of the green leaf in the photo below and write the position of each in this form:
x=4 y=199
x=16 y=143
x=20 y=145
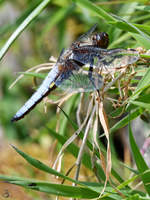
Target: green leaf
x=135 y=197
x=141 y=104
x=33 y=74
x=129 y=168
x=143 y=8
x=73 y=124
x=123 y=24
x=123 y=122
x=73 y=149
x=117 y=112
x=63 y=140
x=145 y=28
x=95 y=9
x=39 y=165
x=140 y=163
x=68 y=107
x=22 y=26
x=143 y=83
x=55 y=189
x=144 y=97
x=142 y=41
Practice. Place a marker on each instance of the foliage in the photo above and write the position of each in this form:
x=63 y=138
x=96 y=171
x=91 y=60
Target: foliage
x=43 y=29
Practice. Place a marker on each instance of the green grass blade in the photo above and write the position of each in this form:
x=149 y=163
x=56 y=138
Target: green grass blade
x=142 y=166
x=140 y=162
x=73 y=124
x=114 y=172
x=70 y=191
x=123 y=185
x=144 y=8
x=33 y=74
x=116 y=175
x=69 y=109
x=22 y=26
x=131 y=169
x=123 y=24
x=123 y=122
x=73 y=149
x=143 y=42
x=95 y=9
x=142 y=27
x=39 y=165
x=51 y=188
x=143 y=83
x=141 y=104
x=116 y=34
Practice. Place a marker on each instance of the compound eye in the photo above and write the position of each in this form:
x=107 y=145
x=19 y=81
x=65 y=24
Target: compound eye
x=105 y=34
x=98 y=37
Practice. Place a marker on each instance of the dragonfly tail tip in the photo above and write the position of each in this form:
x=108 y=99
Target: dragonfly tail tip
x=14 y=119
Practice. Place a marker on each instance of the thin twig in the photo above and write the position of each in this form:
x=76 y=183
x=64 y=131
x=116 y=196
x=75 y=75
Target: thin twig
x=29 y=70
x=68 y=172
x=62 y=101
x=137 y=185
x=37 y=71
x=79 y=109
x=74 y=136
x=95 y=131
x=112 y=82
x=120 y=91
x=104 y=122
x=80 y=154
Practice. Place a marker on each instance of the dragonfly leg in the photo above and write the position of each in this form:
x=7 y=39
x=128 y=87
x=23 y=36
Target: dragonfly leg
x=90 y=72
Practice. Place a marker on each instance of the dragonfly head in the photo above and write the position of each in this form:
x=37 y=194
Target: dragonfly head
x=100 y=40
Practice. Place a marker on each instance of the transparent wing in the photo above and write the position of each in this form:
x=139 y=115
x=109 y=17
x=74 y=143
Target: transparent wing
x=111 y=58
x=85 y=35
x=116 y=58
x=80 y=81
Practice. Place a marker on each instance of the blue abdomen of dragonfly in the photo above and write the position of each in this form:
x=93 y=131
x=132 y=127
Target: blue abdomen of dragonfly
x=42 y=91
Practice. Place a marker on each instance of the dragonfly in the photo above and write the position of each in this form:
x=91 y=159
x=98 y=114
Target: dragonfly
x=74 y=69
